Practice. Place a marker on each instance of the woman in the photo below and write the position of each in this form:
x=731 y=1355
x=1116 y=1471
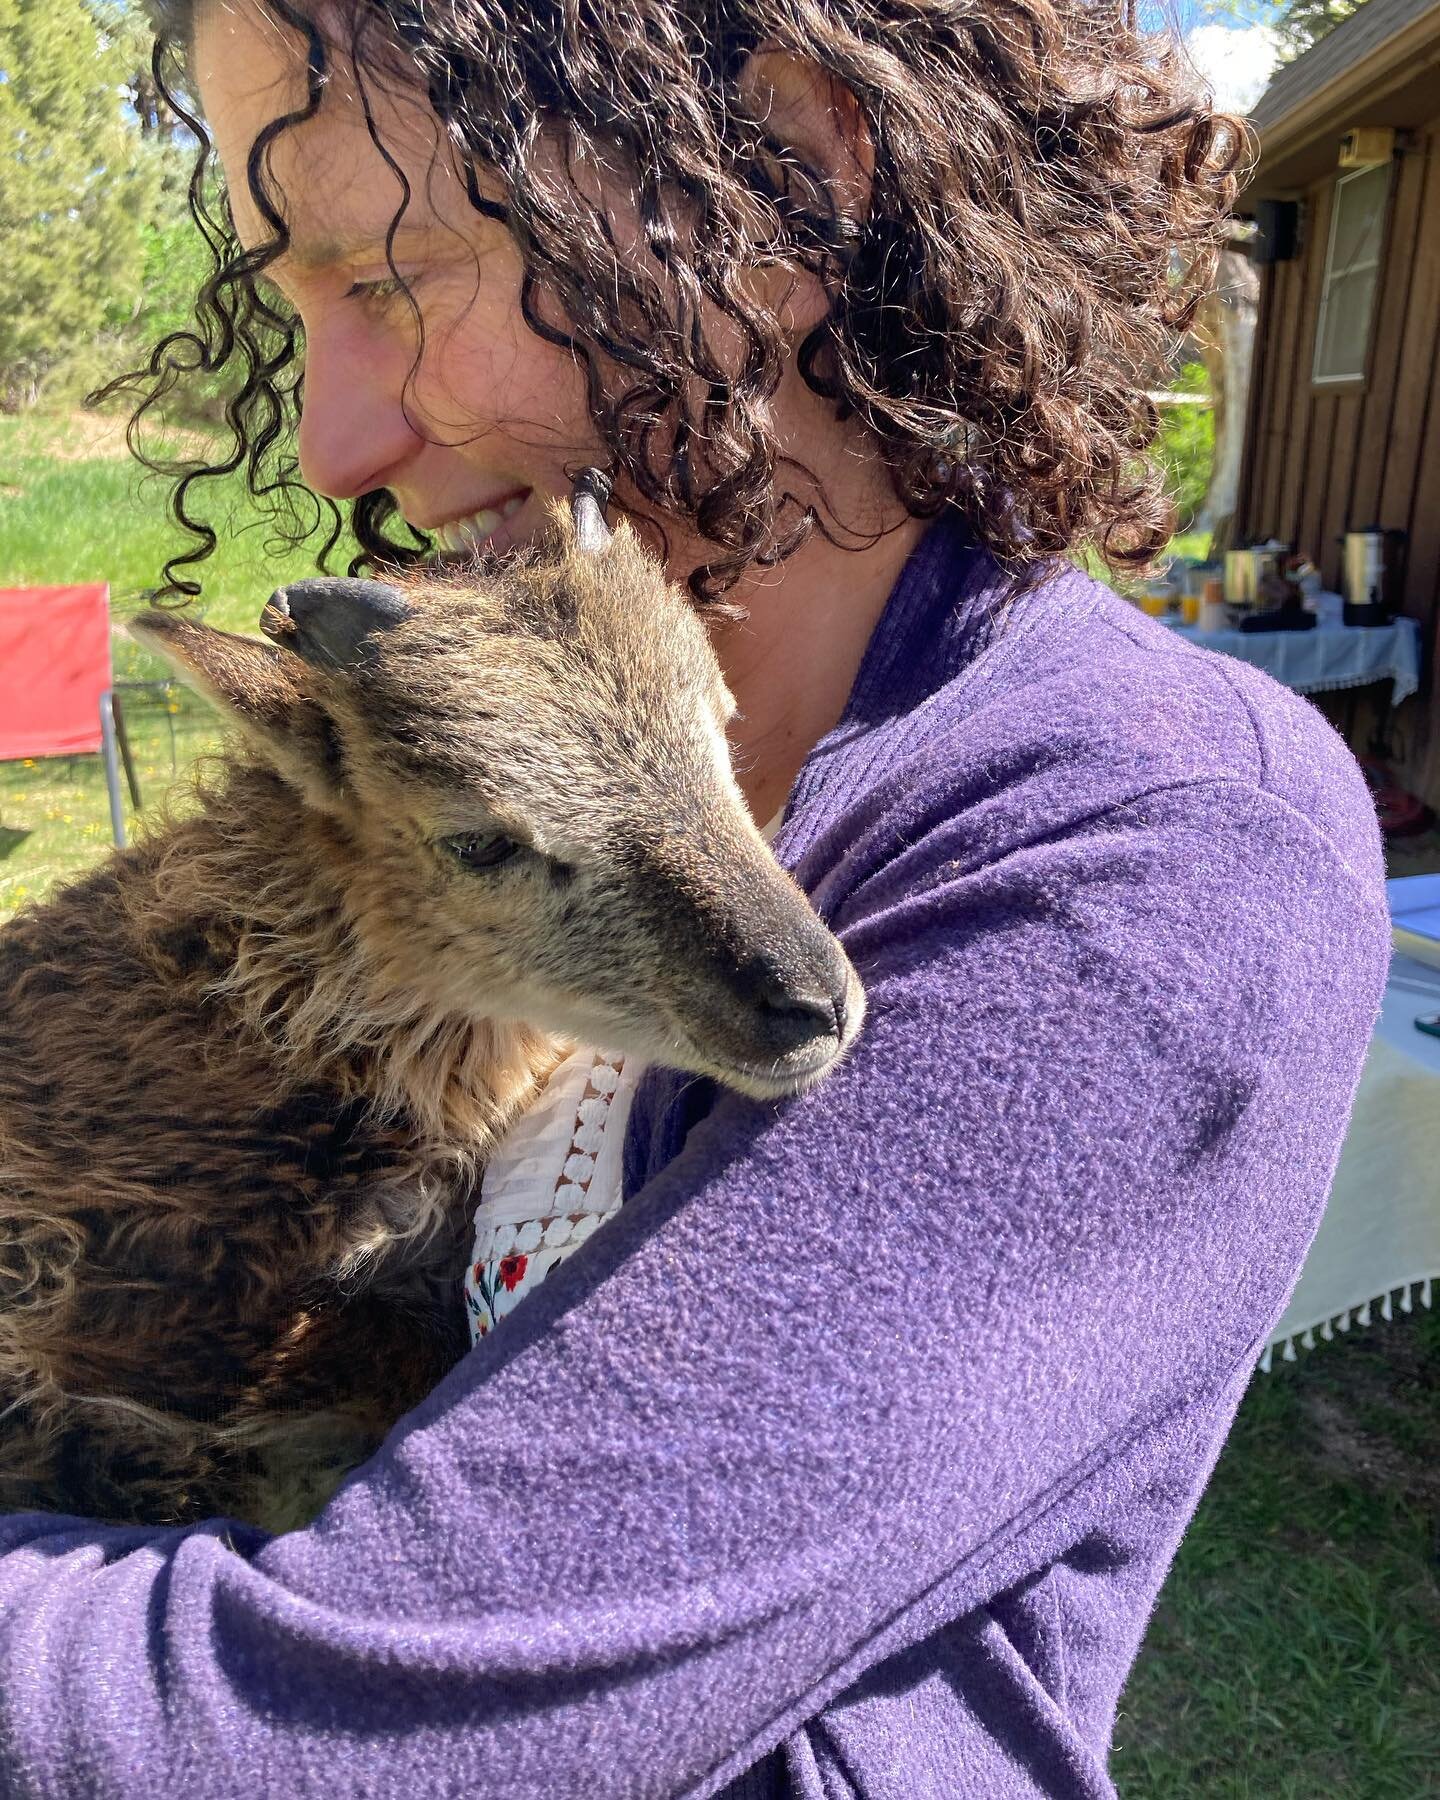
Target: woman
x=848 y=1458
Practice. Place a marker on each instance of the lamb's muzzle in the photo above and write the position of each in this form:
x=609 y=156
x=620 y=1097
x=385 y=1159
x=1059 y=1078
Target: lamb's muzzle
x=759 y=993
x=794 y=1017
x=796 y=1027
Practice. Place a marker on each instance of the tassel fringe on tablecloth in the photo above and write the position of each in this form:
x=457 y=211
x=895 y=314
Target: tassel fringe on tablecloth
x=1385 y=1303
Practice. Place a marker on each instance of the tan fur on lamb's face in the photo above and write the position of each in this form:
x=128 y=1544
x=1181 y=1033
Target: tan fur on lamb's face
x=573 y=706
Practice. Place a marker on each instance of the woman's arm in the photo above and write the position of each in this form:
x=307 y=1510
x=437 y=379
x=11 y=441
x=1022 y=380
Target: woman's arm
x=837 y=1372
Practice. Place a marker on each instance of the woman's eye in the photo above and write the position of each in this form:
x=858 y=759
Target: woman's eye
x=483 y=852
x=378 y=292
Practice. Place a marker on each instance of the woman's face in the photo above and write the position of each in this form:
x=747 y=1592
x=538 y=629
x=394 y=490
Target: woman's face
x=477 y=438
x=474 y=441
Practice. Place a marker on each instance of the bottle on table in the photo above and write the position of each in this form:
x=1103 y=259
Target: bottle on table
x=1213 y=616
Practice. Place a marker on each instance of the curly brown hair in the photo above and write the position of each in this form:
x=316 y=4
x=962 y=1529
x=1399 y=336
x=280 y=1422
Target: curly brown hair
x=1049 y=189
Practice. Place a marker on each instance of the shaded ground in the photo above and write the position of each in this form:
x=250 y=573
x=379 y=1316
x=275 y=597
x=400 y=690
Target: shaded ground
x=1418 y=855
x=1295 y=1650
x=1293 y=1655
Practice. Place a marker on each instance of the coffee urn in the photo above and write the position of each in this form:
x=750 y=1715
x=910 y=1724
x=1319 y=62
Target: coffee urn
x=1246 y=572
x=1373 y=564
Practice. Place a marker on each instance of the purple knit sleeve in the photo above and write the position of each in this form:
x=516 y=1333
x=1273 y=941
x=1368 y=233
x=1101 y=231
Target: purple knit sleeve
x=840 y=1372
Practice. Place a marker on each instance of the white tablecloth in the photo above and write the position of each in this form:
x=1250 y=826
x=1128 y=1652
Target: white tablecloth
x=1378 y=1246
x=1330 y=656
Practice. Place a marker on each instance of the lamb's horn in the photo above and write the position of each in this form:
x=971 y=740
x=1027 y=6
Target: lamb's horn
x=591 y=496
x=327 y=620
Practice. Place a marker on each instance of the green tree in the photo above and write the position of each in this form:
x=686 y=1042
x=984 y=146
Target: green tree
x=1185 y=447
x=79 y=182
x=1301 y=23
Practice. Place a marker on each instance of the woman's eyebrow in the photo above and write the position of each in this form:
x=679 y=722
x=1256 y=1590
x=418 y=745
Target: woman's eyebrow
x=311 y=256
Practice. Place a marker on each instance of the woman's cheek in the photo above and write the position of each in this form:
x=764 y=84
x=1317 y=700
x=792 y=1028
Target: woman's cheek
x=484 y=365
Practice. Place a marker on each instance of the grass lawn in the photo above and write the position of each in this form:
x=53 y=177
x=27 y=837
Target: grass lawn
x=1294 y=1652
x=1293 y=1655
x=73 y=507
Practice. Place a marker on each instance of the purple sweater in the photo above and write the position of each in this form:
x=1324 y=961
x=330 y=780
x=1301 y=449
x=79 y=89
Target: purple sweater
x=849 y=1459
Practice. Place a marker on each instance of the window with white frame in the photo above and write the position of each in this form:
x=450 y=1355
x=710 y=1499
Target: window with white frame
x=1352 y=268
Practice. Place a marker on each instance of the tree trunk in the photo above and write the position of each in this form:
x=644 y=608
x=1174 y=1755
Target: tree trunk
x=1225 y=331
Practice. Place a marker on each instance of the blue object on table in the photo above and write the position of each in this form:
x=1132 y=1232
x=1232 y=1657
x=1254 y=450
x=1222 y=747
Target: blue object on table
x=1415 y=916
x=1331 y=656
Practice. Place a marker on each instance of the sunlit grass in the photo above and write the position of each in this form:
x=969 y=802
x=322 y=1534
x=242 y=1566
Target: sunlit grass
x=75 y=507
x=1193 y=545
x=55 y=812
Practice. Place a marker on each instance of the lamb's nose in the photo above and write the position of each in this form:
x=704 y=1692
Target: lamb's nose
x=792 y=1015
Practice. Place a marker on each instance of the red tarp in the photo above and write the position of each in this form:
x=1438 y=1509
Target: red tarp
x=54 y=666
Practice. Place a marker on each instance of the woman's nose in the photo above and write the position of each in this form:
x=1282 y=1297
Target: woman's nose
x=354 y=432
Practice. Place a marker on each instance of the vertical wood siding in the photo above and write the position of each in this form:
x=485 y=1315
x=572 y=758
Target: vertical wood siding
x=1323 y=461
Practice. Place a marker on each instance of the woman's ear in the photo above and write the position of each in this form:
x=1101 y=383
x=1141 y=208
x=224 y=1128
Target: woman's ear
x=817 y=117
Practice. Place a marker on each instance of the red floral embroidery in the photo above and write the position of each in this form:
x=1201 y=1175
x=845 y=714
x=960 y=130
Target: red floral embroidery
x=512 y=1271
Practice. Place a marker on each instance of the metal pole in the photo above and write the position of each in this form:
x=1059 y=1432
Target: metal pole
x=112 y=771
x=123 y=739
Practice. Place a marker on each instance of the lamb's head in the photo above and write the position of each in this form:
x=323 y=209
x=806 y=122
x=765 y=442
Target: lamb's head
x=531 y=759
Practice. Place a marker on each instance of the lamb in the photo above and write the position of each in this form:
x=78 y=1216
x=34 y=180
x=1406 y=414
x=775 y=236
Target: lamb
x=250 y=1069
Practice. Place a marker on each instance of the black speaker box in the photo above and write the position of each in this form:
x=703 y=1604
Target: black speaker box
x=1277 y=231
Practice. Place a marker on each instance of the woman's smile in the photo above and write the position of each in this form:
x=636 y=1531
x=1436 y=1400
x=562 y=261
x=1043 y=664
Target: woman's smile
x=443 y=396
x=481 y=529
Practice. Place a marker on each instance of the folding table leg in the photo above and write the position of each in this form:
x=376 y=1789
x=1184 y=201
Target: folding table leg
x=112 y=772
x=122 y=737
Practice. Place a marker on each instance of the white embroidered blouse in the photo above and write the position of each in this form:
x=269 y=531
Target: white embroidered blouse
x=554 y=1180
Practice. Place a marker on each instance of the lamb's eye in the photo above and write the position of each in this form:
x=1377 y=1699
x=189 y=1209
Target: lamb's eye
x=483 y=852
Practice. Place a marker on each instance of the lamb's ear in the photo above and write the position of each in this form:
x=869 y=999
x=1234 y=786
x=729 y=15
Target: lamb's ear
x=258 y=687
x=247 y=680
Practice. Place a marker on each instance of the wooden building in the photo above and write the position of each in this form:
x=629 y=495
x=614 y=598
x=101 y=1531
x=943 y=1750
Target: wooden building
x=1343 y=431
